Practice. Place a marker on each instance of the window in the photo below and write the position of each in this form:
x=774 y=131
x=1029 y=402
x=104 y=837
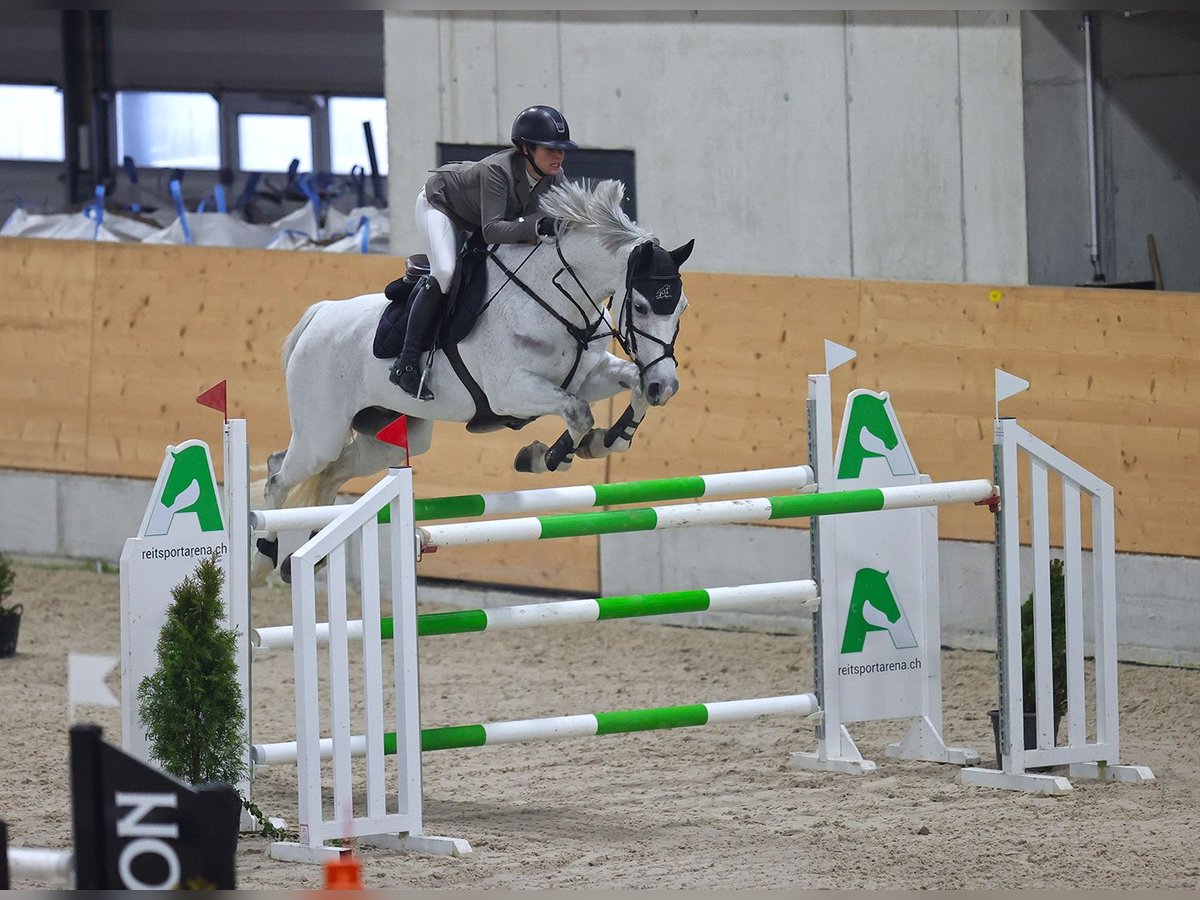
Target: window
x=347 y=137
x=33 y=122
x=269 y=142
x=169 y=129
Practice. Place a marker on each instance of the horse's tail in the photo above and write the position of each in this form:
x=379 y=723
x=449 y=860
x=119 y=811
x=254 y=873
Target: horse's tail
x=289 y=343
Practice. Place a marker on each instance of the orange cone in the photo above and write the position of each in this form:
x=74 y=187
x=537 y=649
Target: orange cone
x=343 y=873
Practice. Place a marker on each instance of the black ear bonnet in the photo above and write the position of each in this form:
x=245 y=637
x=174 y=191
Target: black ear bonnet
x=654 y=274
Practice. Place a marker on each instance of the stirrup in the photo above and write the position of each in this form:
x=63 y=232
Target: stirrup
x=410 y=379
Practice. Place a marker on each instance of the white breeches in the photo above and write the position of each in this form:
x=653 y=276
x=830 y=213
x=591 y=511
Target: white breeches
x=438 y=233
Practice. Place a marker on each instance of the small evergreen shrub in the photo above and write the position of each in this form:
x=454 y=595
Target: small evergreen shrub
x=1058 y=643
x=7 y=577
x=191 y=706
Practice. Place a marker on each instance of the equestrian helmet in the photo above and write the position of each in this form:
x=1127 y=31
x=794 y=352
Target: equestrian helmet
x=542 y=125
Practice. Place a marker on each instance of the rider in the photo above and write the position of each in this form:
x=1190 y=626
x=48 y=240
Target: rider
x=497 y=196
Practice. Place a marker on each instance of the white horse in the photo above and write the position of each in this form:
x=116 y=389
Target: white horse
x=540 y=347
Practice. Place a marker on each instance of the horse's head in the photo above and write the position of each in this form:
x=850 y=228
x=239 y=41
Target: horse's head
x=648 y=320
x=614 y=256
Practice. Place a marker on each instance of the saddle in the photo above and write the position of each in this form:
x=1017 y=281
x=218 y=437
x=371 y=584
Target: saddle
x=465 y=302
x=465 y=299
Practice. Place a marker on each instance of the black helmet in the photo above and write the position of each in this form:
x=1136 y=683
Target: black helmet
x=542 y=125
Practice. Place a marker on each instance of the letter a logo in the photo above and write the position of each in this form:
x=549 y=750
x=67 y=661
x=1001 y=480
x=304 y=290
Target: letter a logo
x=873 y=607
x=870 y=431
x=186 y=484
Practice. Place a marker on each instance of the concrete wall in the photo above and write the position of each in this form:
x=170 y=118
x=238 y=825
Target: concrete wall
x=1147 y=96
x=875 y=144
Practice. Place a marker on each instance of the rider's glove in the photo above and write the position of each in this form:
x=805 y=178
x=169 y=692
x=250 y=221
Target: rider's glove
x=547 y=226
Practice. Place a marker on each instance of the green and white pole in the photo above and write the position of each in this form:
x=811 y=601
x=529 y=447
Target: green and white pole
x=530 y=615
x=590 y=725
x=722 y=512
x=464 y=506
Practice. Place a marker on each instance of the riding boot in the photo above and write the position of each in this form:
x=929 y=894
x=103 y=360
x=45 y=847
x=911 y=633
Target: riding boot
x=423 y=316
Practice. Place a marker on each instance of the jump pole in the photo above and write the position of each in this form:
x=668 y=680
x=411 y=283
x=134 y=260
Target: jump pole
x=722 y=512
x=530 y=615
x=793 y=478
x=560 y=727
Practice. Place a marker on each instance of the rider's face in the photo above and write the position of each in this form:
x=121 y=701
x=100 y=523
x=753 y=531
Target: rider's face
x=547 y=159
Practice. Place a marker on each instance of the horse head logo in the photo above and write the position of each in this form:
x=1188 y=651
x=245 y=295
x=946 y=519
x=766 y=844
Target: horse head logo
x=871 y=431
x=873 y=607
x=188 y=487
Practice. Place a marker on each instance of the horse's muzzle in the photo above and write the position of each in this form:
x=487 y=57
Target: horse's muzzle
x=660 y=390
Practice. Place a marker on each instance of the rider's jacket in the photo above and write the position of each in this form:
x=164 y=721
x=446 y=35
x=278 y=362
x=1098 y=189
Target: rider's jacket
x=492 y=194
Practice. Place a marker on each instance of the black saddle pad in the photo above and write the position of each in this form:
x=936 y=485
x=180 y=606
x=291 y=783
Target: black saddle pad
x=468 y=293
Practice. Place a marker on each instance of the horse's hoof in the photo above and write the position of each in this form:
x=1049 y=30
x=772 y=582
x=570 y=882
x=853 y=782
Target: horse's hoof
x=285 y=570
x=592 y=445
x=269 y=549
x=531 y=459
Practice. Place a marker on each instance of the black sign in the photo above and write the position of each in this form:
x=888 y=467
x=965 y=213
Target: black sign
x=137 y=828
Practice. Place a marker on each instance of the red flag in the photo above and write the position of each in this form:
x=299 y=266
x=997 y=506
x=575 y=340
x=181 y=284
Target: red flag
x=215 y=398
x=396 y=434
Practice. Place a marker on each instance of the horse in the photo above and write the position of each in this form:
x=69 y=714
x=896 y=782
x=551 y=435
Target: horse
x=539 y=347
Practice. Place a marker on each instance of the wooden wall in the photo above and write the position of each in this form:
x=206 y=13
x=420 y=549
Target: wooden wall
x=103 y=349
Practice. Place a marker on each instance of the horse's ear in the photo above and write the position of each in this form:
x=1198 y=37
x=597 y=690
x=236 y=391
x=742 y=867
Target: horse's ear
x=680 y=254
x=643 y=256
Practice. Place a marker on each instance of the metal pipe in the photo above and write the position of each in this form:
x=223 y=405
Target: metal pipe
x=1093 y=195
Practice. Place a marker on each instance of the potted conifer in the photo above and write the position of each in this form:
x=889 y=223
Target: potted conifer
x=191 y=705
x=1058 y=653
x=10 y=616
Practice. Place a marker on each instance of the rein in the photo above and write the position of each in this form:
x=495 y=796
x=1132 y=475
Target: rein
x=626 y=333
x=583 y=335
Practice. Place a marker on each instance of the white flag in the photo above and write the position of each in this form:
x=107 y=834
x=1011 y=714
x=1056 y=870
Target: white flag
x=1007 y=385
x=85 y=681
x=836 y=355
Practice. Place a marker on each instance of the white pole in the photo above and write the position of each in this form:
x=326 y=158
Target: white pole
x=720 y=512
x=794 y=478
x=561 y=612
x=40 y=864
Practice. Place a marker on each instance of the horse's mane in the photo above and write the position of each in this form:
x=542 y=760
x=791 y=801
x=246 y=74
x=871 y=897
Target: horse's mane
x=596 y=206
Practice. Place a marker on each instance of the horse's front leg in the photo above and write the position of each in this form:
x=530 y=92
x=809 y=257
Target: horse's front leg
x=537 y=458
x=618 y=438
x=613 y=376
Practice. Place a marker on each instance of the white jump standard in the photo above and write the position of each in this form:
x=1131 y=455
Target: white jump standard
x=1098 y=758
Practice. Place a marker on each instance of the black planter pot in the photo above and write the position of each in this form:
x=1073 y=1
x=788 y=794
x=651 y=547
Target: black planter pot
x=1030 y=735
x=10 y=624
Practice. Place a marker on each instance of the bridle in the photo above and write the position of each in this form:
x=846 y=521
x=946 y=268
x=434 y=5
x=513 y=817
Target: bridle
x=626 y=333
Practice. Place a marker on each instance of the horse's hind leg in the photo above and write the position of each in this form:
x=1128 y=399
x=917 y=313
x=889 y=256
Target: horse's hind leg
x=266 y=547
x=363 y=455
x=285 y=470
